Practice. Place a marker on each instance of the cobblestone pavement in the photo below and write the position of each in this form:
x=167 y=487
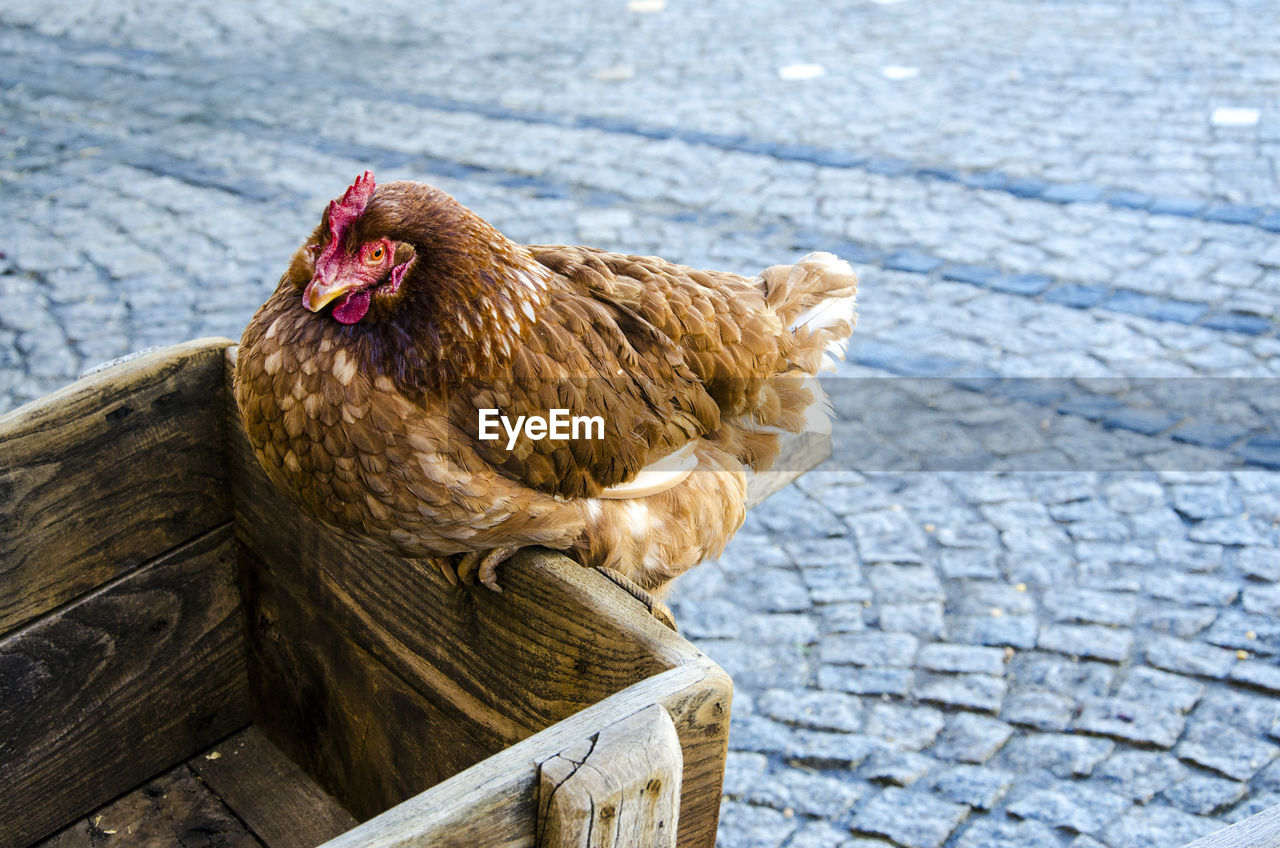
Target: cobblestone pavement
x=1066 y=655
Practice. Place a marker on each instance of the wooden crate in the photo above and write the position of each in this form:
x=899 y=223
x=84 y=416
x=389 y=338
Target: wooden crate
x=182 y=653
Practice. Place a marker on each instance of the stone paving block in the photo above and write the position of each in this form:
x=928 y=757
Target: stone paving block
x=1065 y=755
x=773 y=590
x=1200 y=502
x=1220 y=747
x=970 y=738
x=900 y=768
x=823 y=749
x=1175 y=619
x=800 y=791
x=1140 y=775
x=1130 y=495
x=925 y=620
x=980 y=787
x=1264 y=674
x=870 y=649
x=1014 y=631
x=1156 y=826
x=754 y=733
x=967 y=563
x=1255 y=714
x=1262 y=600
x=820 y=834
x=1203 y=795
x=758 y=665
x=1239 y=630
x=887 y=536
x=1080 y=679
x=905 y=583
x=1186 y=657
x=742 y=771
x=1259 y=562
x=1071 y=806
x=1192 y=588
x=813 y=709
x=994 y=832
x=1169 y=690
x=1037 y=708
x=969 y=691
x=711 y=618
x=910 y=818
x=961 y=658
x=1092 y=641
x=842 y=618
x=780 y=628
x=750 y=826
x=866 y=681
x=1252 y=806
x=1134 y=721
x=1229 y=531
x=904 y=725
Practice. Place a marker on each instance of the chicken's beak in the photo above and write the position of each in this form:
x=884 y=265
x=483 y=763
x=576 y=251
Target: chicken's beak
x=319 y=293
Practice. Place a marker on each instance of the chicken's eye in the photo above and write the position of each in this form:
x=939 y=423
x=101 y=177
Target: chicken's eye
x=377 y=253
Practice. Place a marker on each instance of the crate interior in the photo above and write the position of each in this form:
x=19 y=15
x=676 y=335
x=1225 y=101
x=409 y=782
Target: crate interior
x=184 y=657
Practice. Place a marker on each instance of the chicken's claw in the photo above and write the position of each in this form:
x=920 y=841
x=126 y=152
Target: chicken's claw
x=445 y=564
x=483 y=565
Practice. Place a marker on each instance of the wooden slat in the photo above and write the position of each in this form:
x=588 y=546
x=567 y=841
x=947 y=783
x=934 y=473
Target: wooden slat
x=495 y=803
x=799 y=453
x=501 y=667
x=106 y=692
x=620 y=788
x=174 y=809
x=108 y=473
x=270 y=793
x=1261 y=830
x=363 y=733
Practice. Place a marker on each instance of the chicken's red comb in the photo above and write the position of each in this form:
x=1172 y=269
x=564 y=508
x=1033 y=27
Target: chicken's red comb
x=351 y=205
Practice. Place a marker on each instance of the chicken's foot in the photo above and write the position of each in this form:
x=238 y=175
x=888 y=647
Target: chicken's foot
x=484 y=565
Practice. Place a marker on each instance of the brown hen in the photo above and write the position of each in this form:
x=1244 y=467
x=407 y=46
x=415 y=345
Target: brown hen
x=406 y=328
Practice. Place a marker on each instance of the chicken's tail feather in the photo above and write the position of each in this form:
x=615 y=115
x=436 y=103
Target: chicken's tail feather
x=816 y=298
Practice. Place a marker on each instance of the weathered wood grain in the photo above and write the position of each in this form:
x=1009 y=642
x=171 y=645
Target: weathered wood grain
x=799 y=453
x=495 y=803
x=1261 y=830
x=620 y=789
x=270 y=793
x=119 y=685
x=365 y=735
x=557 y=640
x=108 y=473
x=173 y=809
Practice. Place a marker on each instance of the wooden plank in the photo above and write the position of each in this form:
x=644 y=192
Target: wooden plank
x=495 y=803
x=501 y=667
x=270 y=793
x=799 y=453
x=107 y=691
x=108 y=473
x=174 y=809
x=358 y=729
x=1261 y=830
x=621 y=788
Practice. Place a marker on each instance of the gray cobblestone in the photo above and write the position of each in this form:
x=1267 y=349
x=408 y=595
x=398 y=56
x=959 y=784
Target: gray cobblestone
x=799 y=791
x=1141 y=775
x=1064 y=755
x=1179 y=655
x=1224 y=749
x=910 y=818
x=970 y=738
x=996 y=833
x=212 y=157
x=1134 y=721
x=1203 y=796
x=1074 y=807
